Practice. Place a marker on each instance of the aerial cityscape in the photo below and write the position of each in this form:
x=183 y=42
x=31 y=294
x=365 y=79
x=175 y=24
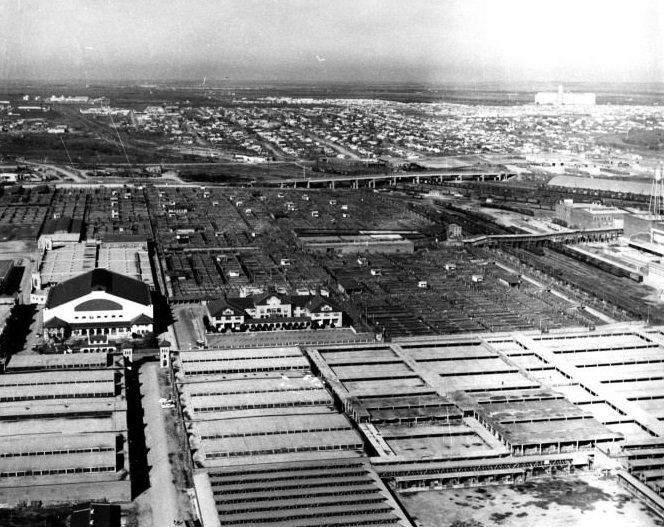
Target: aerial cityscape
x=323 y=264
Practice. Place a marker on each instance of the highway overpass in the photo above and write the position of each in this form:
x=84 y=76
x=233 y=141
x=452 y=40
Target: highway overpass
x=557 y=237
x=372 y=180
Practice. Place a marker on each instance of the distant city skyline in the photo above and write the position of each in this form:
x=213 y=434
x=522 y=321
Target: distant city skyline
x=428 y=41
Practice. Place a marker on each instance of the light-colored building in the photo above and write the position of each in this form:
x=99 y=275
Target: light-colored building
x=560 y=98
x=645 y=227
x=99 y=302
x=61 y=261
x=273 y=311
x=589 y=215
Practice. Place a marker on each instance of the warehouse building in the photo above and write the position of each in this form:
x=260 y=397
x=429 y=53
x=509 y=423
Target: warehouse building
x=353 y=242
x=270 y=445
x=62 y=261
x=63 y=430
x=589 y=215
x=62 y=229
x=563 y=98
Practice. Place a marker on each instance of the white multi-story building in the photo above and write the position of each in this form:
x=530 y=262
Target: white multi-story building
x=273 y=311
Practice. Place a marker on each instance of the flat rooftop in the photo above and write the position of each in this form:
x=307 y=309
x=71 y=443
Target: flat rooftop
x=50 y=426
x=57 y=377
x=56 y=443
x=56 y=361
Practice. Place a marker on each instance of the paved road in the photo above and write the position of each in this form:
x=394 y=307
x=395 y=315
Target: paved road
x=188 y=326
x=63 y=171
x=163 y=494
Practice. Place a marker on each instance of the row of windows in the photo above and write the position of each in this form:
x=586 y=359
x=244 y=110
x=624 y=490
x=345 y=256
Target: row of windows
x=56 y=396
x=321 y=402
x=322 y=468
x=227 y=359
x=85 y=317
x=300 y=389
x=100 y=414
x=101 y=364
x=247 y=370
x=277 y=432
x=289 y=476
x=283 y=450
x=50 y=383
x=58 y=452
x=51 y=472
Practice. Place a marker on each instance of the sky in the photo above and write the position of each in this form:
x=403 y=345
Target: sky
x=333 y=40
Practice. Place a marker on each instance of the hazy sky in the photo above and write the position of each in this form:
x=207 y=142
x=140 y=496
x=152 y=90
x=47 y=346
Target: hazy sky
x=368 y=40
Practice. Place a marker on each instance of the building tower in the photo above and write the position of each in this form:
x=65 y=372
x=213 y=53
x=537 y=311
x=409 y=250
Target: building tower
x=656 y=194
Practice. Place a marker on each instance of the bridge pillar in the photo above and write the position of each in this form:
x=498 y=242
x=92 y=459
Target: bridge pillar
x=332 y=184
x=308 y=183
x=295 y=185
x=440 y=179
x=394 y=182
x=482 y=177
x=356 y=184
x=372 y=183
x=417 y=179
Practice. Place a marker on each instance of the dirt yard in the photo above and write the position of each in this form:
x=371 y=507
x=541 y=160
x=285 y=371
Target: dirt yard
x=579 y=501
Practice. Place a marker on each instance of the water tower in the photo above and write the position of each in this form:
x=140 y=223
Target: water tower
x=656 y=195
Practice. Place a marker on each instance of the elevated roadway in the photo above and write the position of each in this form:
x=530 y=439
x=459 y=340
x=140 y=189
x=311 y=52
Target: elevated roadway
x=371 y=180
x=557 y=237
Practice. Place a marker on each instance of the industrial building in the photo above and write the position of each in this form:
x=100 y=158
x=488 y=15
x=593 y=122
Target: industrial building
x=589 y=215
x=259 y=405
x=644 y=227
x=432 y=412
x=99 y=302
x=350 y=242
x=318 y=493
x=42 y=396
x=561 y=98
x=273 y=311
x=60 y=229
x=272 y=446
x=497 y=407
x=62 y=261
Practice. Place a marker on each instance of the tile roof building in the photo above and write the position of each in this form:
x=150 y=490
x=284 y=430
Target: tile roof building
x=273 y=311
